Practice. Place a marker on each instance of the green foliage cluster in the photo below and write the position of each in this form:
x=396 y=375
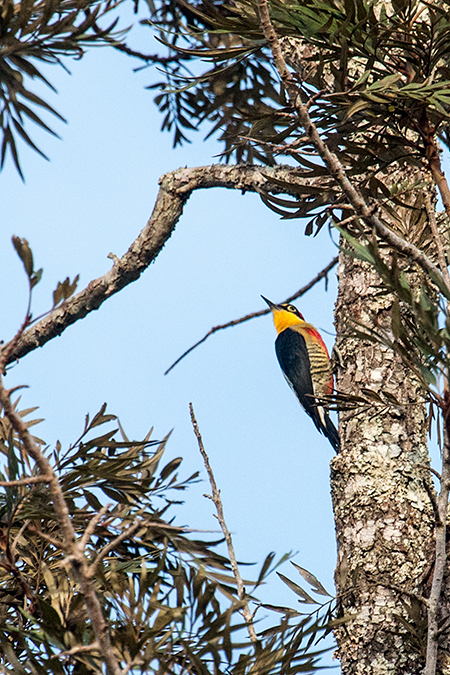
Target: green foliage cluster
x=169 y=596
x=40 y=32
x=376 y=77
x=372 y=74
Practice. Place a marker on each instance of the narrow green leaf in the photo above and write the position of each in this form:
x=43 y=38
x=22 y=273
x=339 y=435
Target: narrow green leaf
x=362 y=252
x=298 y=590
x=24 y=252
x=312 y=580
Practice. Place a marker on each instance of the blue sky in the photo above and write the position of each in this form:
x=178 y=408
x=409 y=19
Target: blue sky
x=93 y=198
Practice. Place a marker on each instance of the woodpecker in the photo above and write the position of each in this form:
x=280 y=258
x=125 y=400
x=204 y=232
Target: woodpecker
x=305 y=363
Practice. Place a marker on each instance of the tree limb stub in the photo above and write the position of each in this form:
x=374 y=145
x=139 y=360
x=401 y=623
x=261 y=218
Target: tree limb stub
x=175 y=189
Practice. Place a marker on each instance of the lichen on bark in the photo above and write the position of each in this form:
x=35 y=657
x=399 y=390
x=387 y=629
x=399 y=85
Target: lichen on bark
x=381 y=488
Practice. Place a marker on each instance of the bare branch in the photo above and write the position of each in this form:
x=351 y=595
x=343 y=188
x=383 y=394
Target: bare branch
x=432 y=497
x=431 y=470
x=18 y=536
x=409 y=594
x=79 y=649
x=148 y=58
x=23 y=481
x=437 y=237
x=57 y=543
x=175 y=189
x=432 y=153
x=94 y=521
x=220 y=517
x=254 y=315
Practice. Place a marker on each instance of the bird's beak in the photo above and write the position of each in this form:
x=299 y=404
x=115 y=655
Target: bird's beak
x=272 y=305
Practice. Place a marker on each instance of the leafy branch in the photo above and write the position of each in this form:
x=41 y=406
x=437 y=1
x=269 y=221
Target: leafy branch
x=41 y=31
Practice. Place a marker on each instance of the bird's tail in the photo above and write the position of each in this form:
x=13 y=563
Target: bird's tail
x=322 y=420
x=331 y=433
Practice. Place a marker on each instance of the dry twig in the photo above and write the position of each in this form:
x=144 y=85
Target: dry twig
x=440 y=565
x=23 y=481
x=235 y=322
x=221 y=518
x=437 y=237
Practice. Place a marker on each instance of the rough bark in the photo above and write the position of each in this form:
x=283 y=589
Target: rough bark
x=381 y=491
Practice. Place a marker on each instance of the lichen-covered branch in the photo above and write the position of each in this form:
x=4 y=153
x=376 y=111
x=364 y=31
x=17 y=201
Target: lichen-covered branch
x=175 y=189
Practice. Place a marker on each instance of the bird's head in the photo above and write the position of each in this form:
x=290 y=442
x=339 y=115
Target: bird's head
x=284 y=315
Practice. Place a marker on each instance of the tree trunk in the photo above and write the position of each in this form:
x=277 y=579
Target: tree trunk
x=383 y=496
x=381 y=490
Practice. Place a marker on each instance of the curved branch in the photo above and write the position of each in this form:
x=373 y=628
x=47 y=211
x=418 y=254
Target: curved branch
x=175 y=189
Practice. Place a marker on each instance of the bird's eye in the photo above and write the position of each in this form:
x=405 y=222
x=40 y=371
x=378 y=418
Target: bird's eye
x=291 y=308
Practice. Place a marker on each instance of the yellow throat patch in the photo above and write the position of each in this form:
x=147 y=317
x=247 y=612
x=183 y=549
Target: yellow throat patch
x=283 y=319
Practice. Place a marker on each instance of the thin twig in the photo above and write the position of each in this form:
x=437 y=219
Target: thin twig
x=18 y=536
x=220 y=517
x=254 y=315
x=23 y=481
x=148 y=58
x=79 y=649
x=57 y=543
x=432 y=498
x=402 y=591
x=441 y=549
x=94 y=521
x=432 y=153
x=347 y=221
x=437 y=237
x=431 y=470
